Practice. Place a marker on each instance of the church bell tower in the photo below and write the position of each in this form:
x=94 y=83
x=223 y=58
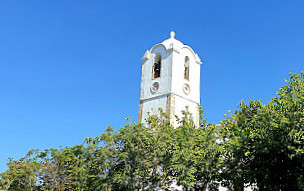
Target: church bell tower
x=170 y=80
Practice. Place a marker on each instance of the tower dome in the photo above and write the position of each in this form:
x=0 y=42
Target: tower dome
x=172 y=42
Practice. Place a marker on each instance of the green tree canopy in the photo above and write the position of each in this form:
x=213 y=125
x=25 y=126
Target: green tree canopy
x=259 y=145
x=264 y=143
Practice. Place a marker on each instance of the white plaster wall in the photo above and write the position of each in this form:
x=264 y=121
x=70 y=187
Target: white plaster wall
x=180 y=105
x=178 y=75
x=181 y=99
x=151 y=101
x=165 y=74
x=152 y=105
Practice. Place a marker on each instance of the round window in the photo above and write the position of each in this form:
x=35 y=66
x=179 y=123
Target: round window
x=186 y=89
x=155 y=87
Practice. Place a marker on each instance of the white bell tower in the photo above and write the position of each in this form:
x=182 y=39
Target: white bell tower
x=170 y=80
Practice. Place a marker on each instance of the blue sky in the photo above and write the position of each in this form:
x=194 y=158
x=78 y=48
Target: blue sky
x=69 y=69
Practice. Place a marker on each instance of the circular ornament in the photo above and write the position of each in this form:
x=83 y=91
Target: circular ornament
x=186 y=89
x=155 y=87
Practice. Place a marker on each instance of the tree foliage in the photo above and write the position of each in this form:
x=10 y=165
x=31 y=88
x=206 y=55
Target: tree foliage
x=259 y=145
x=134 y=158
x=265 y=143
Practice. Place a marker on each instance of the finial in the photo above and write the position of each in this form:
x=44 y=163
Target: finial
x=172 y=34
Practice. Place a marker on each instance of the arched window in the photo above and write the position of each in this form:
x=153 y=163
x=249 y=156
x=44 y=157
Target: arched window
x=157 y=66
x=186 y=71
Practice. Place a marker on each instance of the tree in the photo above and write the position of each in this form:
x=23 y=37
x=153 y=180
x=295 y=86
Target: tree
x=260 y=145
x=64 y=169
x=265 y=143
x=22 y=174
x=134 y=158
x=197 y=157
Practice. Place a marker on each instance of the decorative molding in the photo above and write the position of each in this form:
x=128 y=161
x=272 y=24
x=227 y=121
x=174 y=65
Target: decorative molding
x=146 y=56
x=166 y=94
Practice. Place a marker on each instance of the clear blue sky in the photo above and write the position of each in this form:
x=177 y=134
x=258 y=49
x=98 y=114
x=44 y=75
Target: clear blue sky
x=68 y=69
